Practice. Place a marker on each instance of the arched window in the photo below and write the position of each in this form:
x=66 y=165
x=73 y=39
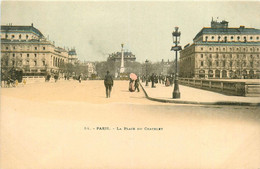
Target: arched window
x=217 y=73
x=224 y=74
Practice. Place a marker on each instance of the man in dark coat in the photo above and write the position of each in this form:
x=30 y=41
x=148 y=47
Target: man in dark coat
x=108 y=81
x=153 y=80
x=137 y=84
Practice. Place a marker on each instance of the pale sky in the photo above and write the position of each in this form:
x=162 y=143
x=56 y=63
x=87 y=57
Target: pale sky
x=97 y=28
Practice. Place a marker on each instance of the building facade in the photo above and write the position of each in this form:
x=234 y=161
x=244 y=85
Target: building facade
x=25 y=48
x=222 y=52
x=116 y=57
x=121 y=65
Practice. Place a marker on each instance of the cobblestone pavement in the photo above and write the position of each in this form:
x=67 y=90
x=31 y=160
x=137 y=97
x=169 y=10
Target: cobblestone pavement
x=72 y=125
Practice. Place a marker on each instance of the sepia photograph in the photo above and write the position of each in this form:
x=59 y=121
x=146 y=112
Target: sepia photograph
x=105 y=84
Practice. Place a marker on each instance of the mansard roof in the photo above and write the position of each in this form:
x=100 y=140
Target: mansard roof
x=119 y=54
x=7 y=28
x=228 y=31
x=72 y=52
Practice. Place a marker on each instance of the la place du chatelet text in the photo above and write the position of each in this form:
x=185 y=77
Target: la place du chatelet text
x=125 y=128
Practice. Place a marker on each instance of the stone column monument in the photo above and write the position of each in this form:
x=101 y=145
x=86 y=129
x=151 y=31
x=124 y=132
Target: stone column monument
x=122 y=68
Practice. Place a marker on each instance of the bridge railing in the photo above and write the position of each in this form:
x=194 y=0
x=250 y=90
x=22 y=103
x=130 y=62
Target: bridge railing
x=227 y=87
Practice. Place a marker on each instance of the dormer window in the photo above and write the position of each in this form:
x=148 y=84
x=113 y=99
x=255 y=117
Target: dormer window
x=225 y=39
x=232 y=37
x=27 y=36
x=12 y=36
x=20 y=36
x=238 y=38
x=251 y=37
x=212 y=37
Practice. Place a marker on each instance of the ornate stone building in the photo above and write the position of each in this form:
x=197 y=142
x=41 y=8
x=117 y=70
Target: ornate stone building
x=222 y=52
x=25 y=48
x=128 y=57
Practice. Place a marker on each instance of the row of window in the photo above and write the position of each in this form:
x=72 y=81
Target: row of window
x=233 y=49
x=230 y=56
x=28 y=55
x=27 y=63
x=232 y=38
x=231 y=63
x=13 y=36
x=36 y=48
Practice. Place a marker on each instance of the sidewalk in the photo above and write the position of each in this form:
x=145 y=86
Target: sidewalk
x=190 y=95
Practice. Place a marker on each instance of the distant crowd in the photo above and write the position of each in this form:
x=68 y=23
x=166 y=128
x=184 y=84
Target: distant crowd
x=166 y=80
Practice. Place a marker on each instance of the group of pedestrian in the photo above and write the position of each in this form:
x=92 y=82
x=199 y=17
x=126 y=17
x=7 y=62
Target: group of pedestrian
x=109 y=82
x=166 y=80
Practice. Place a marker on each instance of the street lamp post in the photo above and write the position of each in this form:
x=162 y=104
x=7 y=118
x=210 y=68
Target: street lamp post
x=146 y=76
x=176 y=40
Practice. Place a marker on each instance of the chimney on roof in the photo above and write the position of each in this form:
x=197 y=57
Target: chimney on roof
x=32 y=24
x=242 y=27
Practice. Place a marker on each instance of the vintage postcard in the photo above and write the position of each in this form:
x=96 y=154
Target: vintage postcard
x=130 y=85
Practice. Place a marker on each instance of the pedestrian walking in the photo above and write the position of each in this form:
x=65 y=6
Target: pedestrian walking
x=131 y=85
x=167 y=82
x=79 y=78
x=56 y=77
x=137 y=84
x=153 y=80
x=108 y=81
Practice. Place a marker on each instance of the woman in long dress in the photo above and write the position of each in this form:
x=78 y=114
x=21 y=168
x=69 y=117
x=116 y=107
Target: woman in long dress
x=131 y=86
